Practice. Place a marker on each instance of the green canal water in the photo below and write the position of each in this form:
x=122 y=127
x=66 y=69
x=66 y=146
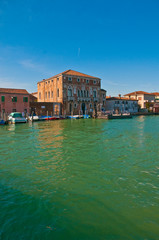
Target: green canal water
x=80 y=180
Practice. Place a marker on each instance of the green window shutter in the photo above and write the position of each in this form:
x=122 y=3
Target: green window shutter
x=25 y=99
x=14 y=99
x=3 y=98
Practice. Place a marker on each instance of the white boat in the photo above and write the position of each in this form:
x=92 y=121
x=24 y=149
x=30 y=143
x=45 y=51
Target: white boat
x=34 y=118
x=16 y=117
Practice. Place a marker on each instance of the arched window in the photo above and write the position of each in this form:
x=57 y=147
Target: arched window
x=94 y=93
x=78 y=93
x=48 y=94
x=87 y=93
x=81 y=93
x=52 y=94
x=69 y=92
x=84 y=93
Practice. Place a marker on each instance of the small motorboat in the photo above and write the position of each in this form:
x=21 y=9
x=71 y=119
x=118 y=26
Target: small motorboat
x=50 y=118
x=16 y=117
x=86 y=116
x=120 y=116
x=73 y=117
x=3 y=122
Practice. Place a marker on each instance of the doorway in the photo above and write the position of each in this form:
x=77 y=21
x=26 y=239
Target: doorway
x=70 y=108
x=83 y=108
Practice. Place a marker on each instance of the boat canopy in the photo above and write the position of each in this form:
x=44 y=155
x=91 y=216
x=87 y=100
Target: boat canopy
x=16 y=115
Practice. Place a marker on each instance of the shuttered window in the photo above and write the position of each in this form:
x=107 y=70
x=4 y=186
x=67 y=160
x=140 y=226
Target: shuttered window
x=3 y=98
x=14 y=99
x=25 y=99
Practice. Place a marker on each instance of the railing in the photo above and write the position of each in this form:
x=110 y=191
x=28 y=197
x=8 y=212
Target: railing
x=85 y=99
x=70 y=98
x=95 y=99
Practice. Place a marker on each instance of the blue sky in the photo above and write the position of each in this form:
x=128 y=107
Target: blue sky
x=116 y=40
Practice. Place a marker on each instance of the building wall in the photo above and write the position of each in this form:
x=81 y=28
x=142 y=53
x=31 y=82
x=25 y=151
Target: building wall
x=121 y=106
x=78 y=94
x=44 y=108
x=48 y=90
x=102 y=99
x=8 y=106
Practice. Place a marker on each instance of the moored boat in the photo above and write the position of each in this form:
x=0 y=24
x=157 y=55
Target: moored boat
x=73 y=117
x=16 y=117
x=119 y=116
x=3 y=122
x=50 y=118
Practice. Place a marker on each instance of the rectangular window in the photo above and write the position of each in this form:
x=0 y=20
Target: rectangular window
x=78 y=80
x=57 y=79
x=25 y=99
x=25 y=110
x=46 y=95
x=39 y=95
x=14 y=99
x=74 y=90
x=94 y=82
x=52 y=94
x=57 y=92
x=87 y=81
x=14 y=110
x=3 y=98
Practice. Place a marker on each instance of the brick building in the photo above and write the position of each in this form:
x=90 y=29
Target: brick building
x=77 y=92
x=14 y=100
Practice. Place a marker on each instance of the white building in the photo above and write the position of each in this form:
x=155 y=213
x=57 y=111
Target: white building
x=121 y=105
x=142 y=97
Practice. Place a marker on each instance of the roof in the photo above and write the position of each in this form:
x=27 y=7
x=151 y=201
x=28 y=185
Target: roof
x=138 y=92
x=103 y=90
x=155 y=93
x=71 y=73
x=122 y=98
x=13 y=91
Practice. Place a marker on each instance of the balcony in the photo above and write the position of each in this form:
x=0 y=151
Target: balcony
x=70 y=98
x=95 y=99
x=84 y=99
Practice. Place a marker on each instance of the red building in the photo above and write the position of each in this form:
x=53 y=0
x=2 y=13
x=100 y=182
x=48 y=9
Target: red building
x=14 y=100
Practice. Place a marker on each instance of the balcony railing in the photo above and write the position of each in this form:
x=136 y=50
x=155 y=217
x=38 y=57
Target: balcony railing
x=85 y=99
x=70 y=98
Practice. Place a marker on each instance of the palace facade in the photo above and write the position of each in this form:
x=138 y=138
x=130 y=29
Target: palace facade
x=78 y=93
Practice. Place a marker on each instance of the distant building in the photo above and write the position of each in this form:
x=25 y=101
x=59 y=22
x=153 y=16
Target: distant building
x=14 y=100
x=77 y=92
x=156 y=95
x=121 y=105
x=35 y=94
x=142 y=97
